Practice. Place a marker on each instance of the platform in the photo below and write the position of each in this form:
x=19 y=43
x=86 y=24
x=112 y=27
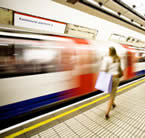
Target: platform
x=87 y=120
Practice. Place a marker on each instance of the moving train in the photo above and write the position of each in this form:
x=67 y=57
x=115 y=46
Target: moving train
x=39 y=71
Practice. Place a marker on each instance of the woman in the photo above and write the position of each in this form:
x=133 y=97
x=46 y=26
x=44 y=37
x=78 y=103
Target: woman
x=111 y=65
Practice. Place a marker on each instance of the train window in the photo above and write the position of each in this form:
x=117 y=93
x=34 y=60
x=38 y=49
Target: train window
x=27 y=57
x=140 y=57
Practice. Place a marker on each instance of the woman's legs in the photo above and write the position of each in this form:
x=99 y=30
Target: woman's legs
x=109 y=105
x=115 y=82
x=113 y=104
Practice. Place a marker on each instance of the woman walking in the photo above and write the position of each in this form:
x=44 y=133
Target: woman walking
x=111 y=65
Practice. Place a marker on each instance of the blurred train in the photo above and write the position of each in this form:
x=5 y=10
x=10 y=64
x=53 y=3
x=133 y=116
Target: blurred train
x=38 y=71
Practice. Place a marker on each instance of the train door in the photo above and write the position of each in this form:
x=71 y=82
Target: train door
x=130 y=58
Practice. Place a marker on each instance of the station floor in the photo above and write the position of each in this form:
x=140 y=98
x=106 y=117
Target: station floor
x=127 y=120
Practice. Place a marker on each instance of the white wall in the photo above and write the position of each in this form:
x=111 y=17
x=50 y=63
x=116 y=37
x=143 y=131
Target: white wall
x=52 y=10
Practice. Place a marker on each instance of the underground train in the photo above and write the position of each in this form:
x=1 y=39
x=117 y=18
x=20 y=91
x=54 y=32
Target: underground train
x=39 y=71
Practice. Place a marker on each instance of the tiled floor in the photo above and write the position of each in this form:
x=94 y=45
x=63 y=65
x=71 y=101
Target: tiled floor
x=127 y=120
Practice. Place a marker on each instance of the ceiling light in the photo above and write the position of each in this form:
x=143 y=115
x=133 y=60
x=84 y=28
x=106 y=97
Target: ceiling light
x=134 y=6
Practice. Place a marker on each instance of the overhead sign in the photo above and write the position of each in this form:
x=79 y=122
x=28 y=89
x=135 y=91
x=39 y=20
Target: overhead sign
x=24 y=20
x=81 y=31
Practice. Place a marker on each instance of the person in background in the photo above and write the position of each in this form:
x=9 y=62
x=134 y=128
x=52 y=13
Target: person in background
x=111 y=65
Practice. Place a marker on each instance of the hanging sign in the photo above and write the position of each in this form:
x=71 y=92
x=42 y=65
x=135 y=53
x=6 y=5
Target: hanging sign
x=28 y=21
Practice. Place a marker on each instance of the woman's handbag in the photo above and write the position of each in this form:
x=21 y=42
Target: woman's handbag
x=104 y=82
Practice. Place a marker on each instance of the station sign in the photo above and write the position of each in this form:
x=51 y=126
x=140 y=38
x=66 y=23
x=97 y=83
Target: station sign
x=33 y=22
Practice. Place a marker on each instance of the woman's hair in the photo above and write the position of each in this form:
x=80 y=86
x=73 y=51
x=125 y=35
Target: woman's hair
x=113 y=54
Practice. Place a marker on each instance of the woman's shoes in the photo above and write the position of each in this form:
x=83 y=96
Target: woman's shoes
x=107 y=117
x=113 y=105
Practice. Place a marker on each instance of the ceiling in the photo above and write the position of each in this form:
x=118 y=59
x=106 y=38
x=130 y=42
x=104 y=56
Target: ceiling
x=112 y=10
x=137 y=5
x=122 y=9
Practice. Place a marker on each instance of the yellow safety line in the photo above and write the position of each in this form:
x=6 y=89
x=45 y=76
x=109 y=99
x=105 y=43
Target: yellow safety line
x=68 y=112
x=131 y=85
